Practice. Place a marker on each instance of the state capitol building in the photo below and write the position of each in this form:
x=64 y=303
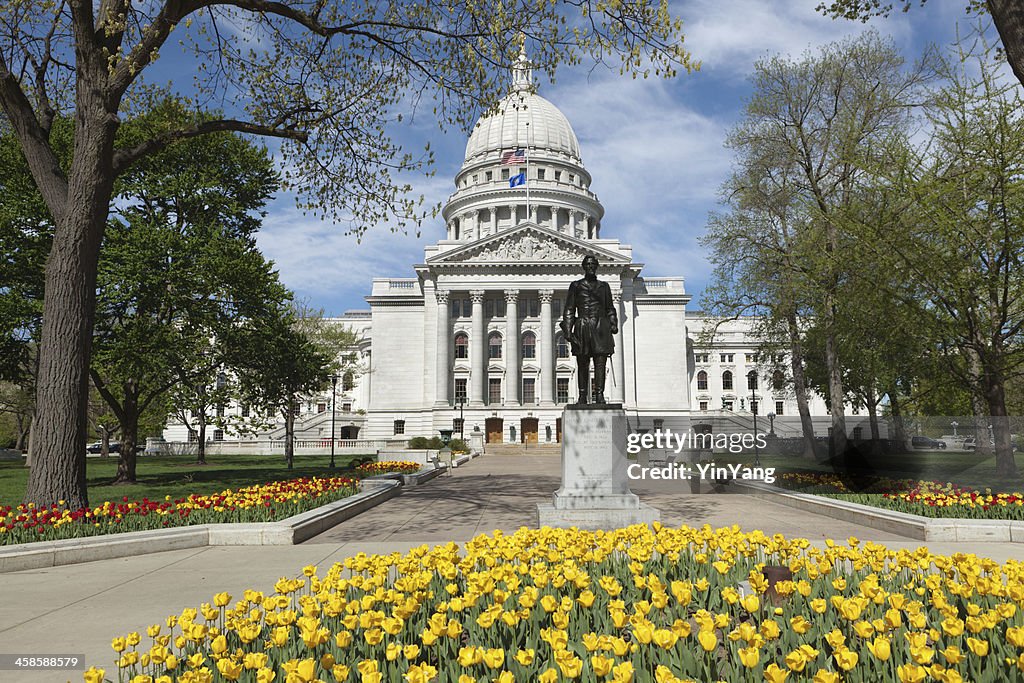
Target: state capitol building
x=472 y=334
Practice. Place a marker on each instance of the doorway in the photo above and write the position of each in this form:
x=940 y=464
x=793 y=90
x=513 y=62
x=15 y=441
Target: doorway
x=494 y=427
x=528 y=427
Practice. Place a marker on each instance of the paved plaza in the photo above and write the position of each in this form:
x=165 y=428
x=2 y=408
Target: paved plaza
x=77 y=609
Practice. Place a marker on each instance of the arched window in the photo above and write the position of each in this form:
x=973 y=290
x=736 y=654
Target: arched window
x=702 y=381
x=529 y=345
x=752 y=379
x=494 y=345
x=778 y=380
x=348 y=381
x=727 y=380
x=461 y=345
x=563 y=347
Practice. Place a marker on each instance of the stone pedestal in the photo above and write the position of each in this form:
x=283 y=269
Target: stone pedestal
x=595 y=489
x=476 y=441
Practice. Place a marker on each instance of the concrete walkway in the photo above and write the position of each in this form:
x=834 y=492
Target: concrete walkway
x=78 y=609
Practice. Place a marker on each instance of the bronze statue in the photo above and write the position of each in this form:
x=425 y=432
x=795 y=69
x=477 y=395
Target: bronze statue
x=589 y=323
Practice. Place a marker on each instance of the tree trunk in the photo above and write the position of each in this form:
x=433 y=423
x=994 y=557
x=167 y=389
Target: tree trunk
x=289 y=435
x=837 y=442
x=31 y=442
x=24 y=426
x=876 y=433
x=982 y=439
x=104 y=442
x=899 y=432
x=995 y=395
x=1008 y=16
x=201 y=451
x=65 y=346
x=796 y=351
x=129 y=435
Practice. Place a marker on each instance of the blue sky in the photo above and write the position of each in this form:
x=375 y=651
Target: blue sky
x=654 y=148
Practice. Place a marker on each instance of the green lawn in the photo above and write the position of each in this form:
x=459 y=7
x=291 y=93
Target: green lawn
x=178 y=476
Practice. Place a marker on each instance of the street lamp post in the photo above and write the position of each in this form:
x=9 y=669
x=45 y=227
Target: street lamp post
x=334 y=401
x=954 y=424
x=771 y=424
x=446 y=437
x=753 y=409
x=461 y=401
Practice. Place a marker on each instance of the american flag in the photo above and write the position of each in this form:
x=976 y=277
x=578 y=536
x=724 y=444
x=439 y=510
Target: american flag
x=515 y=156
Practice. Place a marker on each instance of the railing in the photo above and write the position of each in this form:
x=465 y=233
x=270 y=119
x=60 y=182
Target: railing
x=402 y=284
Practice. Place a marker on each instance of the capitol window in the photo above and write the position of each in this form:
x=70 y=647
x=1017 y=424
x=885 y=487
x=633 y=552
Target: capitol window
x=704 y=406
x=529 y=390
x=562 y=390
x=563 y=347
x=461 y=345
x=529 y=345
x=558 y=176
x=504 y=174
x=540 y=174
x=489 y=176
x=727 y=381
x=726 y=357
x=494 y=345
x=460 y=388
x=399 y=427
x=779 y=405
x=752 y=380
x=702 y=381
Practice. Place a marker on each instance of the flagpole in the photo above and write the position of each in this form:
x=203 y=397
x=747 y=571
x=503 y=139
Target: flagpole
x=527 y=170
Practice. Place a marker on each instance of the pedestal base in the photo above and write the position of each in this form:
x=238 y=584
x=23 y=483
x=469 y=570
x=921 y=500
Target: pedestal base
x=595 y=489
x=596 y=518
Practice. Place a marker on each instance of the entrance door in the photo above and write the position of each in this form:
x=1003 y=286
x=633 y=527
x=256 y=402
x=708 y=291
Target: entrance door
x=528 y=427
x=494 y=426
x=558 y=430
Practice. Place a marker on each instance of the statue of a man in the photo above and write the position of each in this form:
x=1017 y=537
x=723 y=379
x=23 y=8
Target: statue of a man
x=589 y=323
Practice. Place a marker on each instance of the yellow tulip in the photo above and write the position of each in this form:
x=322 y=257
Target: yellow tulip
x=845 y=658
x=265 y=676
x=800 y=625
x=340 y=672
x=977 y=646
x=505 y=677
x=602 y=666
x=525 y=657
x=795 y=661
x=548 y=676
x=826 y=676
x=229 y=669
x=494 y=657
x=749 y=656
x=623 y=673
x=773 y=674
x=708 y=640
x=420 y=673
x=118 y=644
x=94 y=675
x=911 y=673
x=864 y=629
x=880 y=648
x=751 y=603
x=219 y=645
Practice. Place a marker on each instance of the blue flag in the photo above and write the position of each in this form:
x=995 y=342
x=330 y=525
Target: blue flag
x=517 y=180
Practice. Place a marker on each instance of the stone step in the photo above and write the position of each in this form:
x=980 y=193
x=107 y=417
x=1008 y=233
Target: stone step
x=523 y=449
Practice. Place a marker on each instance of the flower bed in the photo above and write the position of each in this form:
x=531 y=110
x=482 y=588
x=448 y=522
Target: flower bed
x=925 y=498
x=263 y=503
x=388 y=467
x=633 y=604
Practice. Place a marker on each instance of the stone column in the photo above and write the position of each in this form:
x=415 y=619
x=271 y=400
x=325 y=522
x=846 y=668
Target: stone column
x=478 y=351
x=619 y=357
x=547 y=349
x=444 y=349
x=572 y=223
x=494 y=220
x=512 y=346
x=512 y=211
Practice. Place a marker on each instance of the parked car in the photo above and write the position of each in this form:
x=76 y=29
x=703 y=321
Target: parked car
x=97 y=447
x=971 y=444
x=926 y=442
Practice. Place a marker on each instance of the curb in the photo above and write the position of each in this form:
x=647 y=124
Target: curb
x=288 y=531
x=903 y=523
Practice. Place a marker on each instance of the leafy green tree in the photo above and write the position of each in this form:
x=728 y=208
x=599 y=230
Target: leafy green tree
x=952 y=225
x=178 y=268
x=806 y=127
x=329 y=79
x=292 y=355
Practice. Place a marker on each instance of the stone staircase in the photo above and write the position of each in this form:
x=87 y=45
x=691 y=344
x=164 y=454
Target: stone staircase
x=523 y=449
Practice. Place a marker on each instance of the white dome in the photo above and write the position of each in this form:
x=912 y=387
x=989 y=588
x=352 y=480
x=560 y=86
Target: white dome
x=548 y=132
